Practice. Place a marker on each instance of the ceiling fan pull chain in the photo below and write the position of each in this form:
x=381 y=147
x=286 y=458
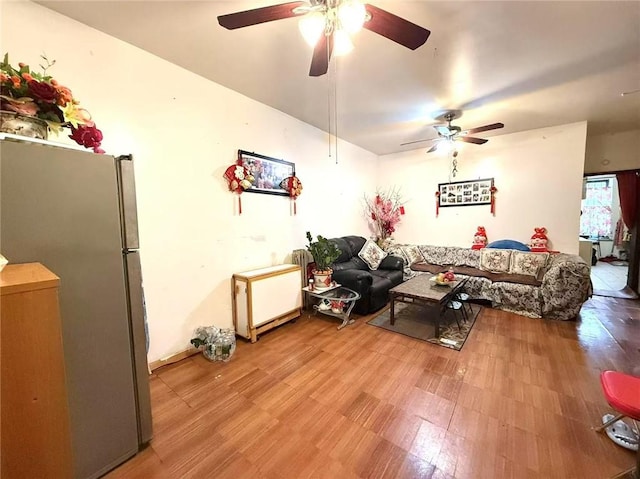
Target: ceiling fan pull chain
x=329 y=109
x=335 y=104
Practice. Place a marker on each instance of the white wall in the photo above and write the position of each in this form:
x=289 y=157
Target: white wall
x=538 y=175
x=183 y=132
x=613 y=152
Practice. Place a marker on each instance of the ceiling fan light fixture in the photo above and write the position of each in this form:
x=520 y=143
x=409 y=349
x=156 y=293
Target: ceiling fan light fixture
x=342 y=43
x=312 y=26
x=352 y=14
x=446 y=146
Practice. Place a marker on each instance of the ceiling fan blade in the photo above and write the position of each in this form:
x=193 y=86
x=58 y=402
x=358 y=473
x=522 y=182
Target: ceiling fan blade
x=433 y=148
x=418 y=141
x=321 y=55
x=471 y=139
x=394 y=28
x=247 y=18
x=492 y=126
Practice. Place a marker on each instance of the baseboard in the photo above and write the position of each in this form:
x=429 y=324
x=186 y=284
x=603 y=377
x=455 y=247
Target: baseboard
x=173 y=358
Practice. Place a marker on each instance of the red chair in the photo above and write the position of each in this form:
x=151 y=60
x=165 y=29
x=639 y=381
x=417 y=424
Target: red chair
x=622 y=392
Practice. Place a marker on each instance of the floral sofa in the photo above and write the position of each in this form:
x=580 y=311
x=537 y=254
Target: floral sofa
x=538 y=285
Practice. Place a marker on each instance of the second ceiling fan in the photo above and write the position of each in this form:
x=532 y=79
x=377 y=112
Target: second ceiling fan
x=450 y=133
x=327 y=24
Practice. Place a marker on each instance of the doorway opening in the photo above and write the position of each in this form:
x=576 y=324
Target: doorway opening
x=601 y=223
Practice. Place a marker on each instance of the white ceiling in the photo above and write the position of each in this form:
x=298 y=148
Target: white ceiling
x=526 y=64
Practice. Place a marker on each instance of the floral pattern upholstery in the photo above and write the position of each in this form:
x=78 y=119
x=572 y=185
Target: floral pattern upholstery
x=527 y=263
x=495 y=260
x=566 y=284
x=372 y=254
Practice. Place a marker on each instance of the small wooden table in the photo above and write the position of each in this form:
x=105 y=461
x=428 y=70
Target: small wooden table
x=422 y=290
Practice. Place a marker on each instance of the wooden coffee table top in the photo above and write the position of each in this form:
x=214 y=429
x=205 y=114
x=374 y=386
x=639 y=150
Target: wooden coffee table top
x=420 y=287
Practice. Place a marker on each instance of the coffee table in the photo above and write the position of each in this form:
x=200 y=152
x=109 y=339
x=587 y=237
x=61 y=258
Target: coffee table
x=421 y=290
x=341 y=301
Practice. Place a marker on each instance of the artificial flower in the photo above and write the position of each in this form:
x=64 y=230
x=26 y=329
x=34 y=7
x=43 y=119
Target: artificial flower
x=384 y=211
x=38 y=95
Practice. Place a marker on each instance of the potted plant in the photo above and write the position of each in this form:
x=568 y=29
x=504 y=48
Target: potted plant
x=324 y=254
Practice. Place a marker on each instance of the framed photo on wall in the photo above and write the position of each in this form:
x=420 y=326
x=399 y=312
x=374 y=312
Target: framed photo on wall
x=268 y=172
x=465 y=193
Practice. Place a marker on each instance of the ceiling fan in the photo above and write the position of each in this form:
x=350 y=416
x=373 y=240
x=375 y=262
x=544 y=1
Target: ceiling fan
x=450 y=133
x=327 y=24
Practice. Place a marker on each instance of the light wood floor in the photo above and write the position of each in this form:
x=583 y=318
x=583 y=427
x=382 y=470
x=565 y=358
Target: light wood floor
x=607 y=276
x=307 y=401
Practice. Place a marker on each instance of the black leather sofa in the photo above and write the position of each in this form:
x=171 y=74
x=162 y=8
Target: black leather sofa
x=353 y=273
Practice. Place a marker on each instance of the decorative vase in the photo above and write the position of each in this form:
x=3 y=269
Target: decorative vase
x=29 y=126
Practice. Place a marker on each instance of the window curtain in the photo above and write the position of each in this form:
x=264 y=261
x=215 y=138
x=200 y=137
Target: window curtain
x=628 y=187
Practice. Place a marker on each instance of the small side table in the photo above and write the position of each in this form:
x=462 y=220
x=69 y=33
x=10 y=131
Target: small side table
x=339 y=300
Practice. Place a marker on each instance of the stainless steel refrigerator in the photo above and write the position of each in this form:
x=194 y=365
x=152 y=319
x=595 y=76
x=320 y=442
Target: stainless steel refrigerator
x=75 y=212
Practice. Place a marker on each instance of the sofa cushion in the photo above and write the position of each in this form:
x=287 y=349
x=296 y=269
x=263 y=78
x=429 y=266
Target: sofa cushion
x=495 y=260
x=353 y=263
x=372 y=254
x=345 y=250
x=355 y=243
x=438 y=254
x=412 y=253
x=530 y=264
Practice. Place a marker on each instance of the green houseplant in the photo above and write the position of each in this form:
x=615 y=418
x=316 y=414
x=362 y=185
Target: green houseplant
x=324 y=254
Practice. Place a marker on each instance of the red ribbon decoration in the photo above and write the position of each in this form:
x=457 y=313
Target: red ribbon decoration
x=402 y=210
x=294 y=186
x=493 y=191
x=437 y=203
x=240 y=179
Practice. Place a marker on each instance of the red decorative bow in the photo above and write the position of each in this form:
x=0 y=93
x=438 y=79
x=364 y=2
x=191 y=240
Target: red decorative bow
x=294 y=186
x=240 y=179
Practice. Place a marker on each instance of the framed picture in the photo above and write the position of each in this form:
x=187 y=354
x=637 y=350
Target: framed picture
x=268 y=172
x=465 y=193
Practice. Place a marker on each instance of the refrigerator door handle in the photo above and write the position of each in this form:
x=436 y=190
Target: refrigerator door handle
x=128 y=206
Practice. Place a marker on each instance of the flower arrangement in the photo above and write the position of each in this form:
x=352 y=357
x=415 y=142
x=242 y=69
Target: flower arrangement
x=38 y=95
x=383 y=212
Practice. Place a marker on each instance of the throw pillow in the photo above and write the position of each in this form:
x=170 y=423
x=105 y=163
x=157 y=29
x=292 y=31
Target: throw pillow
x=412 y=252
x=509 y=244
x=372 y=254
x=495 y=260
x=529 y=264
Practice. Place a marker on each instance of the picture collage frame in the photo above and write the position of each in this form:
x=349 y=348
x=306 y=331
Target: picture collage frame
x=465 y=193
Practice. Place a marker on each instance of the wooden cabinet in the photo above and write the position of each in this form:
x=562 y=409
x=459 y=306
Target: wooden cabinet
x=265 y=298
x=34 y=417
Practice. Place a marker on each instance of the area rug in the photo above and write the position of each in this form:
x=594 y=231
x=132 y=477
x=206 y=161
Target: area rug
x=418 y=322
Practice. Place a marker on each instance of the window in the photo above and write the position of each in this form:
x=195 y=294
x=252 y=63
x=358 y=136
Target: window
x=595 y=220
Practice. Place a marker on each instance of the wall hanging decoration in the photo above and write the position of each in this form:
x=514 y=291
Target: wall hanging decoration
x=493 y=190
x=239 y=179
x=480 y=238
x=33 y=103
x=383 y=212
x=294 y=186
x=465 y=193
x=269 y=173
x=539 y=240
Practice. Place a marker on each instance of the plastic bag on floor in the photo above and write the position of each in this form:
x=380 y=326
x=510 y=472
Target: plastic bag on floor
x=217 y=344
